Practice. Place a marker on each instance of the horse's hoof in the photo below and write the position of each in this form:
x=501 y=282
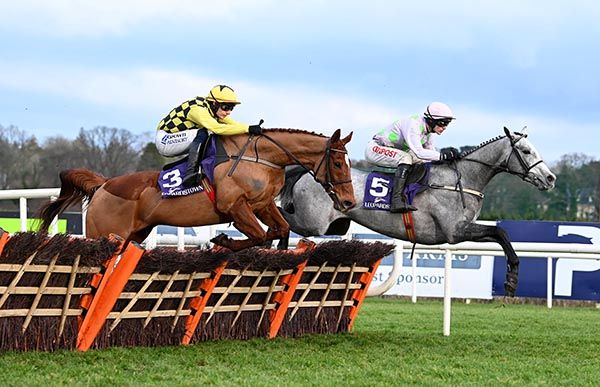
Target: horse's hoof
x=283 y=245
x=267 y=245
x=221 y=240
x=509 y=289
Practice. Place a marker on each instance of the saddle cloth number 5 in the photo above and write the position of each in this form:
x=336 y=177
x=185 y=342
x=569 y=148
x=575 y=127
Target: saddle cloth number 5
x=379 y=187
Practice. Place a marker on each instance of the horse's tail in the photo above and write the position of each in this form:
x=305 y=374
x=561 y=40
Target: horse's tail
x=76 y=185
x=286 y=195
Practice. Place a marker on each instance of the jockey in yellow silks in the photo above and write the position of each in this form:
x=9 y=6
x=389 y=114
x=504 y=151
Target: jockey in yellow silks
x=186 y=127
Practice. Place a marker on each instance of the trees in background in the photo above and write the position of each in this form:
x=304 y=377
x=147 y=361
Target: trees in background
x=19 y=158
x=108 y=151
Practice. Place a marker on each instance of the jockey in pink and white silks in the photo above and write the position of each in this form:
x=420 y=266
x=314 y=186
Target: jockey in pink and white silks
x=410 y=141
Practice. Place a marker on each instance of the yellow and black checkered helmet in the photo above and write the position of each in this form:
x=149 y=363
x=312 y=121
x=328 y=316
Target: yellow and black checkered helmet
x=222 y=94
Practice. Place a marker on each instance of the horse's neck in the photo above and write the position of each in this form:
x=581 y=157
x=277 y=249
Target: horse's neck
x=292 y=147
x=478 y=168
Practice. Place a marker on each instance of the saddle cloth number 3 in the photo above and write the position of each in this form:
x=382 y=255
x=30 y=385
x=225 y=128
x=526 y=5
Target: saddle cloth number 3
x=172 y=179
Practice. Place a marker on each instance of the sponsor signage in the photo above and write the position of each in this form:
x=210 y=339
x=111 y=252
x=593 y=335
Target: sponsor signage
x=471 y=275
x=577 y=279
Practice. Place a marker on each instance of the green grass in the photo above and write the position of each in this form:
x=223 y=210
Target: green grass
x=393 y=343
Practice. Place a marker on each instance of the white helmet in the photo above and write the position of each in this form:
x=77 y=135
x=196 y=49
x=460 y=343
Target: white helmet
x=438 y=111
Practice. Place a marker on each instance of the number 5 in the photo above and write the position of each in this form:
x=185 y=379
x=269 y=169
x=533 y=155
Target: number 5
x=379 y=184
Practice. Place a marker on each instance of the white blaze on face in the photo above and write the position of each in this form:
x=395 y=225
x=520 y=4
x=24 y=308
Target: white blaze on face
x=347 y=160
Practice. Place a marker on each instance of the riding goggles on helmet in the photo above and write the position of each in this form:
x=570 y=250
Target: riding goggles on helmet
x=227 y=106
x=443 y=122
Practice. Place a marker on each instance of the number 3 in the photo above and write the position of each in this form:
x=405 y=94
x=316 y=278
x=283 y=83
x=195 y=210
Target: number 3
x=173 y=179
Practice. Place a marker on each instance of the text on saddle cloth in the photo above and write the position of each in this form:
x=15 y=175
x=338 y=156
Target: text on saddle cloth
x=379 y=187
x=170 y=178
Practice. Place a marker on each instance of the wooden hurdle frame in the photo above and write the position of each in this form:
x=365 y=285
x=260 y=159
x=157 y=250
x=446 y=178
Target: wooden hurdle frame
x=187 y=302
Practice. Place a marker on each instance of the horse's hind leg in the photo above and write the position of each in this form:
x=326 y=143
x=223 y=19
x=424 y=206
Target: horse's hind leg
x=482 y=233
x=245 y=221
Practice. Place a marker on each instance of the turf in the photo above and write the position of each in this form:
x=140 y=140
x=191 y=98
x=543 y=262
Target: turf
x=394 y=342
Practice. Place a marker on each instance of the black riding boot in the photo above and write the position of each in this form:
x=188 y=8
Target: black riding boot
x=191 y=173
x=398 y=202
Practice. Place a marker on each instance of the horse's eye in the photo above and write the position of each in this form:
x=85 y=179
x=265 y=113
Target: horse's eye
x=526 y=152
x=337 y=164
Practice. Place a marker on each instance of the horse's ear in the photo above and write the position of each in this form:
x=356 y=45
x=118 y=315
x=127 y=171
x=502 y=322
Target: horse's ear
x=347 y=139
x=509 y=135
x=336 y=135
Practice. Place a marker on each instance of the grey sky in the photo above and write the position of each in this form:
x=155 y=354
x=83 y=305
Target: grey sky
x=315 y=65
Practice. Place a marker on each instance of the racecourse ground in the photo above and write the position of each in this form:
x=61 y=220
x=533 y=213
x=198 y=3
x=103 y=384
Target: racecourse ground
x=394 y=342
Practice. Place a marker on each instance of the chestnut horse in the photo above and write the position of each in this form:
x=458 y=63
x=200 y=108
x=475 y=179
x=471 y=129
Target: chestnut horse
x=245 y=189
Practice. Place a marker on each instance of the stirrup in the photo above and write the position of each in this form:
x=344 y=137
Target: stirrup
x=190 y=180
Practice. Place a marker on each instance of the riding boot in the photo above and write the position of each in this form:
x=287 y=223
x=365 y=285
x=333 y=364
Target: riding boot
x=398 y=201
x=191 y=173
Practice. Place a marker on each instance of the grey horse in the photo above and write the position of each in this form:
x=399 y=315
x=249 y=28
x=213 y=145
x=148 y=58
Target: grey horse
x=447 y=210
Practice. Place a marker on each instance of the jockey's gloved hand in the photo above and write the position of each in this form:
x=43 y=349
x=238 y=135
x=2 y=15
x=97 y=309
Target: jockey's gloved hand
x=448 y=154
x=255 y=129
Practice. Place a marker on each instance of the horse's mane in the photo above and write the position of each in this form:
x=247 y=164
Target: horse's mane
x=289 y=130
x=491 y=140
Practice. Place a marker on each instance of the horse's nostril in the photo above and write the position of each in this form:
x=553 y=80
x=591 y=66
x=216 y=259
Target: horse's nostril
x=348 y=204
x=550 y=178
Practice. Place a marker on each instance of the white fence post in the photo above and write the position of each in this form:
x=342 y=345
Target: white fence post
x=549 y=282
x=414 y=277
x=180 y=239
x=84 y=207
x=447 y=291
x=23 y=213
x=54 y=224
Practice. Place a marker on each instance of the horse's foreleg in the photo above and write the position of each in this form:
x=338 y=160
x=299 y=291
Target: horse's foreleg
x=245 y=221
x=278 y=227
x=482 y=233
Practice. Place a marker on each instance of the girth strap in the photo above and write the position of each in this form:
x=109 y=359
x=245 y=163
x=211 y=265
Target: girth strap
x=456 y=189
x=409 y=226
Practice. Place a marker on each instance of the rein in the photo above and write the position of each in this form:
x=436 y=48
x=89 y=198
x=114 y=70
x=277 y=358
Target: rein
x=329 y=183
x=502 y=167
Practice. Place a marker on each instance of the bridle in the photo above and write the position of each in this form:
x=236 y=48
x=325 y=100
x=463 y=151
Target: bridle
x=329 y=183
x=325 y=161
x=503 y=166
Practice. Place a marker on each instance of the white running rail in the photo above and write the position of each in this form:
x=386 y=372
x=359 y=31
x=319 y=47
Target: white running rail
x=526 y=249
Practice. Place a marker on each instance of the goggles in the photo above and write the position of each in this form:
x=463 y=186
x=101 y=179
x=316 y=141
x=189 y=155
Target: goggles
x=443 y=123
x=227 y=106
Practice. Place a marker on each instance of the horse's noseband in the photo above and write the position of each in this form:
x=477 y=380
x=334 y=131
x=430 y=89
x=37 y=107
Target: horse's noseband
x=522 y=162
x=329 y=183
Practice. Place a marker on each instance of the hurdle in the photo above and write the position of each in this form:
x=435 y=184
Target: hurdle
x=73 y=293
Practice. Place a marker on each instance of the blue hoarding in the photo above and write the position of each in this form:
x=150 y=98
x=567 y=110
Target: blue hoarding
x=576 y=279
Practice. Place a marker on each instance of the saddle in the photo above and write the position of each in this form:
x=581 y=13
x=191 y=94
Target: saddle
x=170 y=177
x=212 y=154
x=380 y=184
x=416 y=173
